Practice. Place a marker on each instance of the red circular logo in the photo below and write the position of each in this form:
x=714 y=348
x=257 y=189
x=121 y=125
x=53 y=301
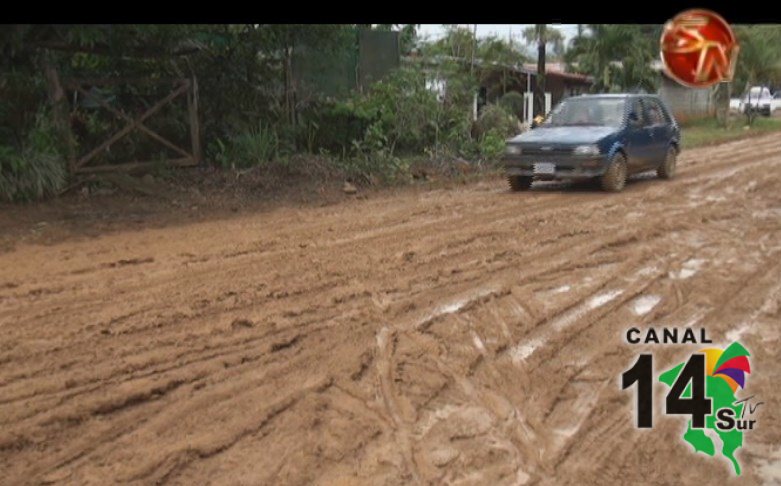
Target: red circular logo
x=698 y=48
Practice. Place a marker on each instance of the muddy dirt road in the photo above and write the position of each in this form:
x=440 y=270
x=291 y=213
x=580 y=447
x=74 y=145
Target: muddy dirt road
x=464 y=336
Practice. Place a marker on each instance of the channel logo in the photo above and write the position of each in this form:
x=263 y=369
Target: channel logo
x=698 y=48
x=704 y=388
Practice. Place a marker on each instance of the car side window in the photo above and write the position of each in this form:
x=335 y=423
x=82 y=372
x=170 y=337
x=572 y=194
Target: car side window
x=666 y=118
x=653 y=112
x=637 y=109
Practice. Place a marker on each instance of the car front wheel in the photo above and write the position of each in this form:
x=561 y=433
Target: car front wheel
x=667 y=169
x=520 y=183
x=614 y=179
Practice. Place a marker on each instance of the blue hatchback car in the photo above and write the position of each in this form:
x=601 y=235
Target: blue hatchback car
x=606 y=137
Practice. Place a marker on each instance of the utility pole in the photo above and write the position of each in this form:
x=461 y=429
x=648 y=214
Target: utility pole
x=539 y=95
x=722 y=99
x=474 y=48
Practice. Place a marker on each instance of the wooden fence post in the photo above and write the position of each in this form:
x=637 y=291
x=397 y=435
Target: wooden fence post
x=60 y=110
x=195 y=132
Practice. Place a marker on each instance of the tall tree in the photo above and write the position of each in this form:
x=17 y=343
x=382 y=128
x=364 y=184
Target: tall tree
x=542 y=36
x=554 y=40
x=619 y=57
x=458 y=42
x=759 y=59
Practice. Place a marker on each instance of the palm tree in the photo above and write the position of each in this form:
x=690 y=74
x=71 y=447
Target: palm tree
x=759 y=61
x=554 y=40
x=542 y=36
x=618 y=56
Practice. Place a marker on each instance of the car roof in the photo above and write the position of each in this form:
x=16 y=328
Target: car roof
x=617 y=95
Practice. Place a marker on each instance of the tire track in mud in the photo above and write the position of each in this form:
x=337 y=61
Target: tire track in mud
x=586 y=410
x=603 y=440
x=538 y=440
x=455 y=282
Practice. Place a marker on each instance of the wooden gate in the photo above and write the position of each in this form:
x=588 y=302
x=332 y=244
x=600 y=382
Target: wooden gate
x=188 y=87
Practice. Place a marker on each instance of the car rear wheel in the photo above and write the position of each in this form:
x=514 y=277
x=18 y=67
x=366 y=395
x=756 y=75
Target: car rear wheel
x=614 y=179
x=667 y=169
x=520 y=183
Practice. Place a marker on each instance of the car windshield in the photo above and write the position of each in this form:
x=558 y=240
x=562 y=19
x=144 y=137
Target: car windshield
x=588 y=111
x=757 y=92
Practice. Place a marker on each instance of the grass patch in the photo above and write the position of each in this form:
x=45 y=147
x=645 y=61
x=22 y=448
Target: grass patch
x=709 y=131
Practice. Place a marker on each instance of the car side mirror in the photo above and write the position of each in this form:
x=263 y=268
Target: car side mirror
x=634 y=120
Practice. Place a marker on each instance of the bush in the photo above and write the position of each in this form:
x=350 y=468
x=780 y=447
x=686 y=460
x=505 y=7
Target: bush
x=256 y=147
x=373 y=133
x=512 y=102
x=37 y=170
x=374 y=166
x=403 y=112
x=30 y=175
x=492 y=146
x=494 y=118
x=333 y=126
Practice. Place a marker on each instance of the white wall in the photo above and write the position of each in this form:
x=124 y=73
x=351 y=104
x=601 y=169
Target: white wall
x=685 y=102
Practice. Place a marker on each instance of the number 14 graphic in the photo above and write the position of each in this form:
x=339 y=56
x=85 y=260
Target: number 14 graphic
x=698 y=406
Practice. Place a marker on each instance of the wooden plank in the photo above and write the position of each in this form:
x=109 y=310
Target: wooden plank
x=102 y=49
x=135 y=166
x=154 y=109
x=74 y=83
x=195 y=133
x=127 y=182
x=141 y=126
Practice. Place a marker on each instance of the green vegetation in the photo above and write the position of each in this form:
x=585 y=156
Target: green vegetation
x=256 y=147
x=460 y=43
x=554 y=40
x=618 y=56
x=512 y=101
x=255 y=114
x=34 y=171
x=710 y=131
x=759 y=60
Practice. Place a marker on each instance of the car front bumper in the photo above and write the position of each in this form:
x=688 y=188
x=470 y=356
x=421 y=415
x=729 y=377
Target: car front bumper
x=758 y=107
x=566 y=166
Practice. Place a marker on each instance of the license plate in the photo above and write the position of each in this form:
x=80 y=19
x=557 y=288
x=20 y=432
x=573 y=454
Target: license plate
x=544 y=168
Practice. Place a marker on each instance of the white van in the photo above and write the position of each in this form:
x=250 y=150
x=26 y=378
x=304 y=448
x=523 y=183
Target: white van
x=759 y=99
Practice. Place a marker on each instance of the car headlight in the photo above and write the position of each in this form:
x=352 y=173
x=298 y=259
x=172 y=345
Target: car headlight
x=512 y=149
x=586 y=150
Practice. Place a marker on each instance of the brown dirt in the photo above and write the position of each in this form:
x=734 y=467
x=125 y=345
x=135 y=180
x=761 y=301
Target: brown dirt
x=466 y=335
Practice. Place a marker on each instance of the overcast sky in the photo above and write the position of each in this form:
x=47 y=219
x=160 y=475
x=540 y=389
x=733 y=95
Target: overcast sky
x=435 y=31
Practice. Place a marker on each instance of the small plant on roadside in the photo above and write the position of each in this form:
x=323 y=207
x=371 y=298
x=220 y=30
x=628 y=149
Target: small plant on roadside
x=492 y=146
x=35 y=171
x=160 y=167
x=256 y=147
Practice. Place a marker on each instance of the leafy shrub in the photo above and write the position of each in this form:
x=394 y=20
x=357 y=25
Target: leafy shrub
x=256 y=147
x=492 y=146
x=404 y=112
x=21 y=94
x=35 y=171
x=333 y=126
x=494 y=118
x=30 y=175
x=372 y=166
x=373 y=133
x=512 y=102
